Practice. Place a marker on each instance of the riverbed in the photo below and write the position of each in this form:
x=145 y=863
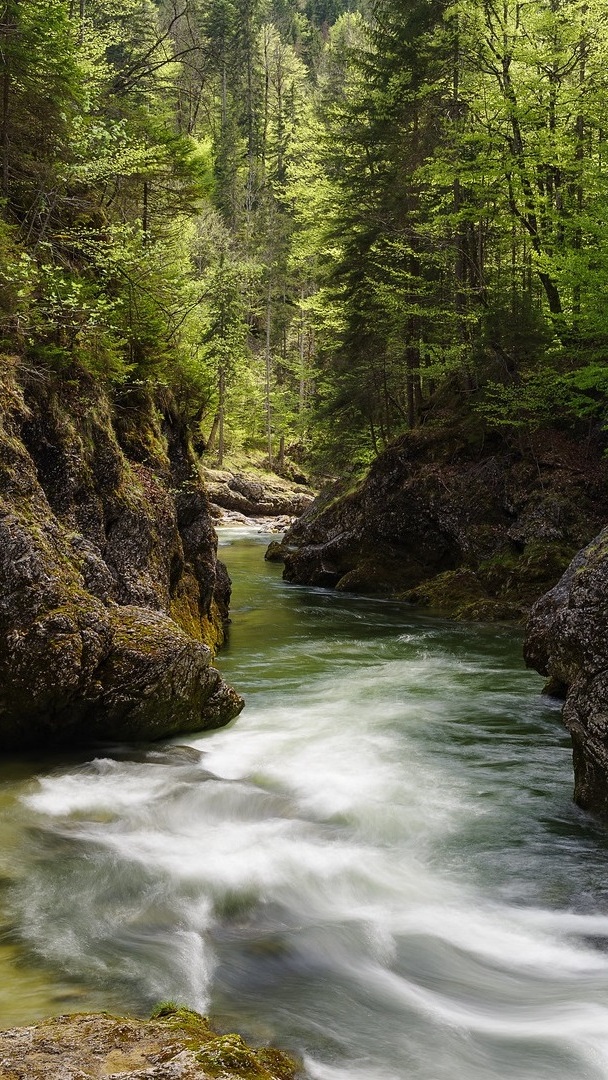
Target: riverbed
x=378 y=865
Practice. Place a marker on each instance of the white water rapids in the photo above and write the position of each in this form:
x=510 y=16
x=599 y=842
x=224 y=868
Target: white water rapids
x=378 y=866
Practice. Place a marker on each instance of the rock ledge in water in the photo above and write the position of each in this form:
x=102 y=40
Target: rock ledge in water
x=567 y=640
x=256 y=497
x=476 y=531
x=176 y=1044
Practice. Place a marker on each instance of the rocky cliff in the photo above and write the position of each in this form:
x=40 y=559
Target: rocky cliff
x=111 y=597
x=567 y=640
x=476 y=530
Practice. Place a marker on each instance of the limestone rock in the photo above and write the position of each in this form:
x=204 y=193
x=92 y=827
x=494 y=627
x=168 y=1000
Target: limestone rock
x=256 y=496
x=567 y=640
x=111 y=597
x=475 y=531
x=176 y=1044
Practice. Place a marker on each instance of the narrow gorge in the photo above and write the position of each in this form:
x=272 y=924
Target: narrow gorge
x=303 y=408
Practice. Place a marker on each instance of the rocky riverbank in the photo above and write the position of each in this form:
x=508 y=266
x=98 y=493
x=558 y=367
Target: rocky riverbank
x=567 y=640
x=469 y=528
x=112 y=600
x=238 y=497
x=176 y=1044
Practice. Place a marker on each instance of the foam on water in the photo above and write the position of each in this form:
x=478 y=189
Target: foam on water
x=331 y=871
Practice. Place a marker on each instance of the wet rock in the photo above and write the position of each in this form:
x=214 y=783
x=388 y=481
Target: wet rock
x=256 y=497
x=471 y=531
x=275 y=552
x=567 y=640
x=111 y=596
x=176 y=1044
x=230 y=519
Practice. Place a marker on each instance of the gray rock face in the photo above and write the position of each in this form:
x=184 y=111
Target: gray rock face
x=255 y=498
x=111 y=597
x=477 y=531
x=567 y=640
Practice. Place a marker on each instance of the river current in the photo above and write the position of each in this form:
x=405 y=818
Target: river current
x=378 y=866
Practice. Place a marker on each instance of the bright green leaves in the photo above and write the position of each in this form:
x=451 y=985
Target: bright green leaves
x=40 y=95
x=319 y=225
x=464 y=199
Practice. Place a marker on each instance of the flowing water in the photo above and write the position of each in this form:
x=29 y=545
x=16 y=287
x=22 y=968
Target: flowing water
x=378 y=866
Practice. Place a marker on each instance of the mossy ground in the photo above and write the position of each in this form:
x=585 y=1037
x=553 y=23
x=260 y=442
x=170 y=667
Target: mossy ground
x=501 y=588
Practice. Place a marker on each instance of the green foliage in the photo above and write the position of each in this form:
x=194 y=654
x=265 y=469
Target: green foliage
x=537 y=400
x=318 y=221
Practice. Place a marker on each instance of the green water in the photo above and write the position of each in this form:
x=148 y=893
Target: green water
x=379 y=865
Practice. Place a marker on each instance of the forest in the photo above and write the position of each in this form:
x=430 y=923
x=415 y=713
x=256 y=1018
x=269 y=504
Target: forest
x=319 y=222
x=352 y=254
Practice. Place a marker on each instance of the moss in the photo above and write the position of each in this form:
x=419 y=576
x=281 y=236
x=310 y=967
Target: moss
x=175 y=1041
x=334 y=497
x=543 y=561
x=448 y=591
x=222 y=1054
x=213 y=628
x=230 y=1055
x=279 y=1064
x=188 y=1023
x=133 y=634
x=487 y=609
x=182 y=613
x=539 y=565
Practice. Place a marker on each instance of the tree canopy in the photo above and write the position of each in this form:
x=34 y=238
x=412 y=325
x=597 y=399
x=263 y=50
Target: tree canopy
x=321 y=222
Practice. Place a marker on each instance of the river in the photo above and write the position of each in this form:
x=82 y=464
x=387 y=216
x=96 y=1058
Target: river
x=378 y=866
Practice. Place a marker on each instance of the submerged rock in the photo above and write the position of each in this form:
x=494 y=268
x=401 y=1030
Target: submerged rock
x=475 y=531
x=176 y=1044
x=112 y=600
x=567 y=640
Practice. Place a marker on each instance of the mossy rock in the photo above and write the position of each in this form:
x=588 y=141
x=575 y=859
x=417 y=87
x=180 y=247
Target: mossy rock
x=275 y=552
x=545 y=562
x=487 y=609
x=444 y=502
x=174 y=1042
x=447 y=592
x=229 y=1055
x=113 y=600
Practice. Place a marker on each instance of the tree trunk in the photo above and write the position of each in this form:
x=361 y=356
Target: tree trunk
x=268 y=358
x=580 y=198
x=6 y=97
x=145 y=211
x=8 y=29
x=221 y=413
x=302 y=352
x=213 y=434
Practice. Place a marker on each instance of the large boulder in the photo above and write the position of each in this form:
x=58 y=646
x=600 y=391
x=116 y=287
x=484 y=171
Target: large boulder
x=256 y=496
x=112 y=600
x=176 y=1044
x=567 y=640
x=473 y=529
